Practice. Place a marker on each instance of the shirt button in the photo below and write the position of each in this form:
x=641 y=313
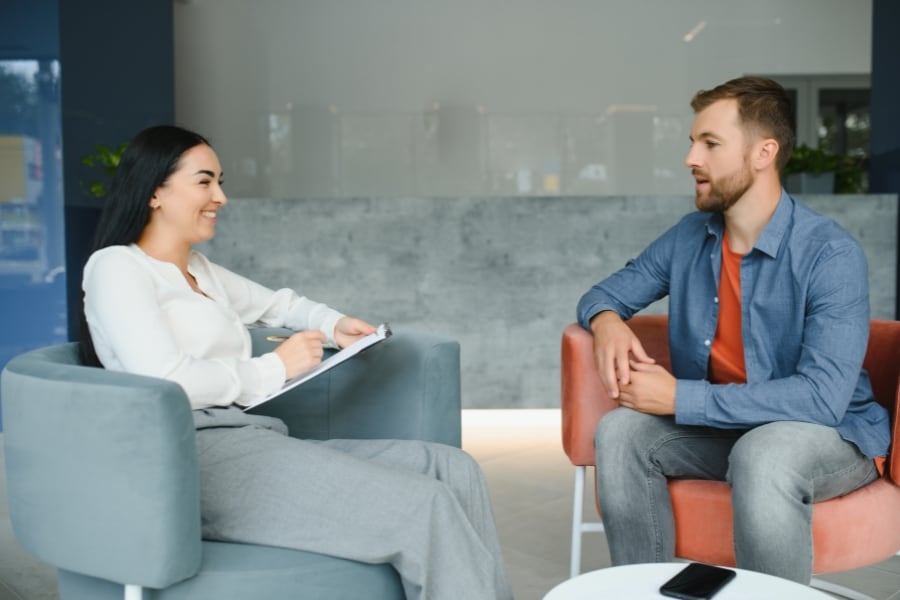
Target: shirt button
x=706 y=342
x=716 y=299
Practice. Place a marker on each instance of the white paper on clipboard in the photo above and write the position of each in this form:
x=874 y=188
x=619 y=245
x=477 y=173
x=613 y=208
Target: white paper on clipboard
x=381 y=333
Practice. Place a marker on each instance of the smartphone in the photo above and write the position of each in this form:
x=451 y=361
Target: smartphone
x=697 y=581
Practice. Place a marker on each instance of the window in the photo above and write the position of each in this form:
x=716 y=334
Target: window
x=832 y=112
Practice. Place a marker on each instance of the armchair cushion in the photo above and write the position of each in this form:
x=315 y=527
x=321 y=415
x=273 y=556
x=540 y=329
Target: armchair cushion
x=248 y=571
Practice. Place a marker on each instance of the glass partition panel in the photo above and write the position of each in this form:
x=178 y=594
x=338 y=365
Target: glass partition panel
x=472 y=98
x=32 y=271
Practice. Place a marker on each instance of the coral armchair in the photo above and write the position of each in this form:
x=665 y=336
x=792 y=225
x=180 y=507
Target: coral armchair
x=849 y=532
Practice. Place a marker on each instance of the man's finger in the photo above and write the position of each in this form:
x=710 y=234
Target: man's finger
x=639 y=353
x=608 y=375
x=624 y=369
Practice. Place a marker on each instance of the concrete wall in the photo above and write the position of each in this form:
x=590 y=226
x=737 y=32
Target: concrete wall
x=501 y=275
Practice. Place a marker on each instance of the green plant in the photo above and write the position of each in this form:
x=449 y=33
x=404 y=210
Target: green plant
x=104 y=158
x=848 y=170
x=811 y=160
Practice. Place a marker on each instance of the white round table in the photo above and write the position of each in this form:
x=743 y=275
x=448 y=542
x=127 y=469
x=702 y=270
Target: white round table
x=637 y=582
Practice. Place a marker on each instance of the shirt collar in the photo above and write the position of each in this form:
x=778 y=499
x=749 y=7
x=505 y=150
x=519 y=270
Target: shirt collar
x=772 y=235
x=770 y=239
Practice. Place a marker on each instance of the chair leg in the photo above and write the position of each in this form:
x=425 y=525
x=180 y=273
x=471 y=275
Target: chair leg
x=839 y=590
x=579 y=527
x=577 y=514
x=133 y=592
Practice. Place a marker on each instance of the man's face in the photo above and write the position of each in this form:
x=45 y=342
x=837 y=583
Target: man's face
x=719 y=157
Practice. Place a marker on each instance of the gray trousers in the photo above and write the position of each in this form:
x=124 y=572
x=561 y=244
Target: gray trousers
x=422 y=507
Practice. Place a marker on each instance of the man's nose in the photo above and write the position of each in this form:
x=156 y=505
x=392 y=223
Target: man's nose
x=692 y=158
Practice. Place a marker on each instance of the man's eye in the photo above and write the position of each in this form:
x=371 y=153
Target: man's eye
x=711 y=145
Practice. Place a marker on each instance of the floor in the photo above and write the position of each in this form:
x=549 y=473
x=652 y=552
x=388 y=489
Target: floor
x=531 y=484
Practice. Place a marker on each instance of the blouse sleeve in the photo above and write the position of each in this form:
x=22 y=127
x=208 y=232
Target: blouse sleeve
x=279 y=308
x=134 y=330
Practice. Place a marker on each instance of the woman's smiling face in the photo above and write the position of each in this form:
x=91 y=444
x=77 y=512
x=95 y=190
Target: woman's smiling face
x=184 y=208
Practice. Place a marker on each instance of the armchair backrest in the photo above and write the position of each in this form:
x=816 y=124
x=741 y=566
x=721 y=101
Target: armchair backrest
x=653 y=331
x=101 y=469
x=882 y=362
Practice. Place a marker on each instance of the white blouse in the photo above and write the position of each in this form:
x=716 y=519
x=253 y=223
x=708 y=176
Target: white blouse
x=144 y=318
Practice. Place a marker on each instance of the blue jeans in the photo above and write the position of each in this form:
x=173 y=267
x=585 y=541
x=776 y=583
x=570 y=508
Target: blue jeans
x=776 y=471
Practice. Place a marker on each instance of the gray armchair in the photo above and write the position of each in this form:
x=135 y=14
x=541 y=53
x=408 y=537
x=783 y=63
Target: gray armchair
x=102 y=474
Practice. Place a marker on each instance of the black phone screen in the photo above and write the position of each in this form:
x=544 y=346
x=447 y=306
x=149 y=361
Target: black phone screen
x=697 y=581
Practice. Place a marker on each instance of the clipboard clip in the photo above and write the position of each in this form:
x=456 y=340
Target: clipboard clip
x=284 y=338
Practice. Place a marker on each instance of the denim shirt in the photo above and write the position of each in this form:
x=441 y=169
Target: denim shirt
x=804 y=322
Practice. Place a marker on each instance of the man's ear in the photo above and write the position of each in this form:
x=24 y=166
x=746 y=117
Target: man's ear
x=765 y=152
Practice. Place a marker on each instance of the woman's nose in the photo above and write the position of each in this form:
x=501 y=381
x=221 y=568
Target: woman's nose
x=219 y=196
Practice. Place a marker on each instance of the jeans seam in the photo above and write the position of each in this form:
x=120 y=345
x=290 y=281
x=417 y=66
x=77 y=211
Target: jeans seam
x=867 y=468
x=660 y=442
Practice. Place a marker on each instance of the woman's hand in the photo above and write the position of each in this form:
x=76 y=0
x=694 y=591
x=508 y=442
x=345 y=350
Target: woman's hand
x=348 y=330
x=301 y=352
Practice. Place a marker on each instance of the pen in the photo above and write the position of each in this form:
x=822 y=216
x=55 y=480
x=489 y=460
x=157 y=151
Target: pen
x=277 y=338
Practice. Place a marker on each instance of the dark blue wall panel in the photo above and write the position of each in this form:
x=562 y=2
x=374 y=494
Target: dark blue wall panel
x=32 y=255
x=884 y=166
x=106 y=70
x=118 y=77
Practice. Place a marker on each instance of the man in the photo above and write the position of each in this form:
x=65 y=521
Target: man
x=768 y=325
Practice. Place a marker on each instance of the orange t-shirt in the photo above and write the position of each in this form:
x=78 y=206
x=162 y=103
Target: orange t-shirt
x=726 y=359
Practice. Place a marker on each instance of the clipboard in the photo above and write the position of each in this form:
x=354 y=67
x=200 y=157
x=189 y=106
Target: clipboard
x=382 y=332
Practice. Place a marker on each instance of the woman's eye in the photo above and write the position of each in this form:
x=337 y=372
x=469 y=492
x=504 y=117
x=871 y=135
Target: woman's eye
x=711 y=145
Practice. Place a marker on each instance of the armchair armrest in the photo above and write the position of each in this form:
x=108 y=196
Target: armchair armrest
x=101 y=469
x=407 y=387
x=584 y=399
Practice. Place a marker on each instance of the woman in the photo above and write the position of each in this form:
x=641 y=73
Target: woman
x=154 y=306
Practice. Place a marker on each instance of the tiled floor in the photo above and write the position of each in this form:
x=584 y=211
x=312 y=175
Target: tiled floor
x=531 y=485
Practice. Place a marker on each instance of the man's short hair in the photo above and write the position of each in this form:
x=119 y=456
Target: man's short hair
x=763 y=107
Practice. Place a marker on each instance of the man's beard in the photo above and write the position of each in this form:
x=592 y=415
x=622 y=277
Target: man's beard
x=724 y=193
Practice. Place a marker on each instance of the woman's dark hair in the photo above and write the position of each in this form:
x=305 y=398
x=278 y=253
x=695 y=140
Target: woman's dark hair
x=149 y=159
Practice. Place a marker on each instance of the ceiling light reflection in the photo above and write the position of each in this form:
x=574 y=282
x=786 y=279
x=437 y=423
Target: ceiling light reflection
x=690 y=35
